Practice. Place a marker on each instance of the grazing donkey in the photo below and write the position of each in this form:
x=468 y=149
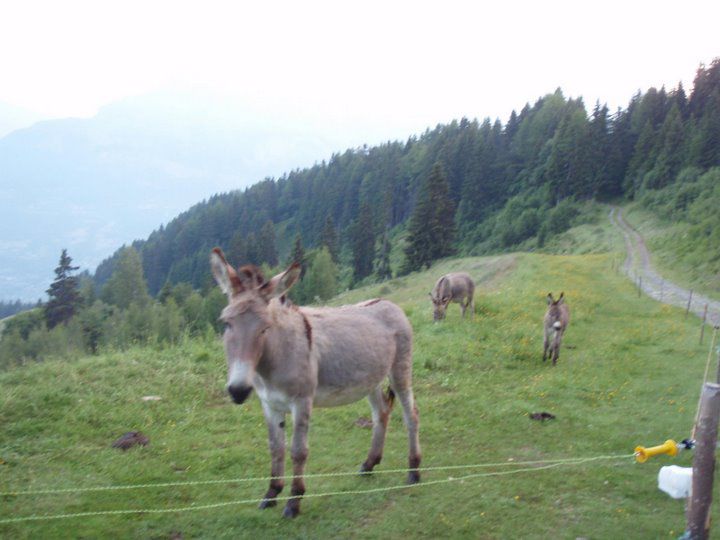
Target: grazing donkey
x=455 y=287
x=297 y=358
x=556 y=320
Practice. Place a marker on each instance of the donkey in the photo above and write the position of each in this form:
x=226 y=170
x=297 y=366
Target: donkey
x=454 y=287
x=556 y=320
x=297 y=358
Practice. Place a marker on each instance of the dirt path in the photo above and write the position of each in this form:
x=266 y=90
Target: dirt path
x=637 y=265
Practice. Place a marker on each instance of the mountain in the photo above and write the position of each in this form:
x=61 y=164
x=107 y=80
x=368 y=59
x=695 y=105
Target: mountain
x=91 y=185
x=13 y=118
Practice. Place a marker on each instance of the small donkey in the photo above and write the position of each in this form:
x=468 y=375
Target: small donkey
x=556 y=320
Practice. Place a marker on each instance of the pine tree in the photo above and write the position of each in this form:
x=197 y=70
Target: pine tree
x=64 y=293
x=431 y=231
x=475 y=193
x=621 y=143
x=670 y=143
x=266 y=244
x=642 y=159
x=705 y=149
x=598 y=149
x=679 y=99
x=707 y=81
x=382 y=263
x=329 y=238
x=363 y=243
x=237 y=252
x=567 y=170
x=252 y=251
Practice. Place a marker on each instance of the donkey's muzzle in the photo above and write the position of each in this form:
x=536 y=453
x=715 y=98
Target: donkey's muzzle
x=239 y=393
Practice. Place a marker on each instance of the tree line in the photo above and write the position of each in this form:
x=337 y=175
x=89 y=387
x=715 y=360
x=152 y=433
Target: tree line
x=79 y=318
x=507 y=184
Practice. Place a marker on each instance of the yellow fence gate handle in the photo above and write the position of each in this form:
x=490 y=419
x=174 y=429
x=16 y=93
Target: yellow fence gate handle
x=669 y=447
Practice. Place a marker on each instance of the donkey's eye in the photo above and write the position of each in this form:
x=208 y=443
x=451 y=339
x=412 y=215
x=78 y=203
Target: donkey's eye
x=226 y=325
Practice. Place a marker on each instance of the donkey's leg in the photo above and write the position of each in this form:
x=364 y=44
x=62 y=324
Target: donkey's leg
x=276 y=437
x=381 y=407
x=301 y=411
x=546 y=345
x=556 y=348
x=400 y=382
x=412 y=422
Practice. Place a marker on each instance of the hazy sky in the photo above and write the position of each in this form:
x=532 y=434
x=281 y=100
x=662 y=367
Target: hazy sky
x=404 y=65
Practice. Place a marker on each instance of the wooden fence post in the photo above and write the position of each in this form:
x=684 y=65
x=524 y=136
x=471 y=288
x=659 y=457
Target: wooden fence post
x=698 y=513
x=702 y=328
x=687 y=310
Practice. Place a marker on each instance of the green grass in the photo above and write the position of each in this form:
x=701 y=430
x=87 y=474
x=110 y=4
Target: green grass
x=629 y=374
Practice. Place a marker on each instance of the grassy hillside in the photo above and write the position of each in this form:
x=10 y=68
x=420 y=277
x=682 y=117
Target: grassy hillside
x=596 y=236
x=629 y=374
x=675 y=251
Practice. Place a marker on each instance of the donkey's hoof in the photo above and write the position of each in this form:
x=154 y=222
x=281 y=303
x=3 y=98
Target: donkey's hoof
x=291 y=512
x=413 y=477
x=267 y=503
x=365 y=469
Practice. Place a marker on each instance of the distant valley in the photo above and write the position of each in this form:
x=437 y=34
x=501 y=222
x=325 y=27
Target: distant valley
x=91 y=185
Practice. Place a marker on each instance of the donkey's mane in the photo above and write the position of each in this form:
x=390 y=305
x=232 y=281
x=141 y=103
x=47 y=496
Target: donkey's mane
x=251 y=273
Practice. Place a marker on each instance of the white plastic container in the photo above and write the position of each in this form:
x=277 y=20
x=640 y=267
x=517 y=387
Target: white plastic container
x=675 y=481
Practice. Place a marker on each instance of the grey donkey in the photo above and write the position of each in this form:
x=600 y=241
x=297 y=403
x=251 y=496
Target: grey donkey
x=299 y=358
x=454 y=287
x=556 y=320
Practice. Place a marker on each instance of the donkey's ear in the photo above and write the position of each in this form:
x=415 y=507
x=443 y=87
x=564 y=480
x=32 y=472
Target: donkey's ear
x=560 y=298
x=224 y=274
x=281 y=283
x=550 y=299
